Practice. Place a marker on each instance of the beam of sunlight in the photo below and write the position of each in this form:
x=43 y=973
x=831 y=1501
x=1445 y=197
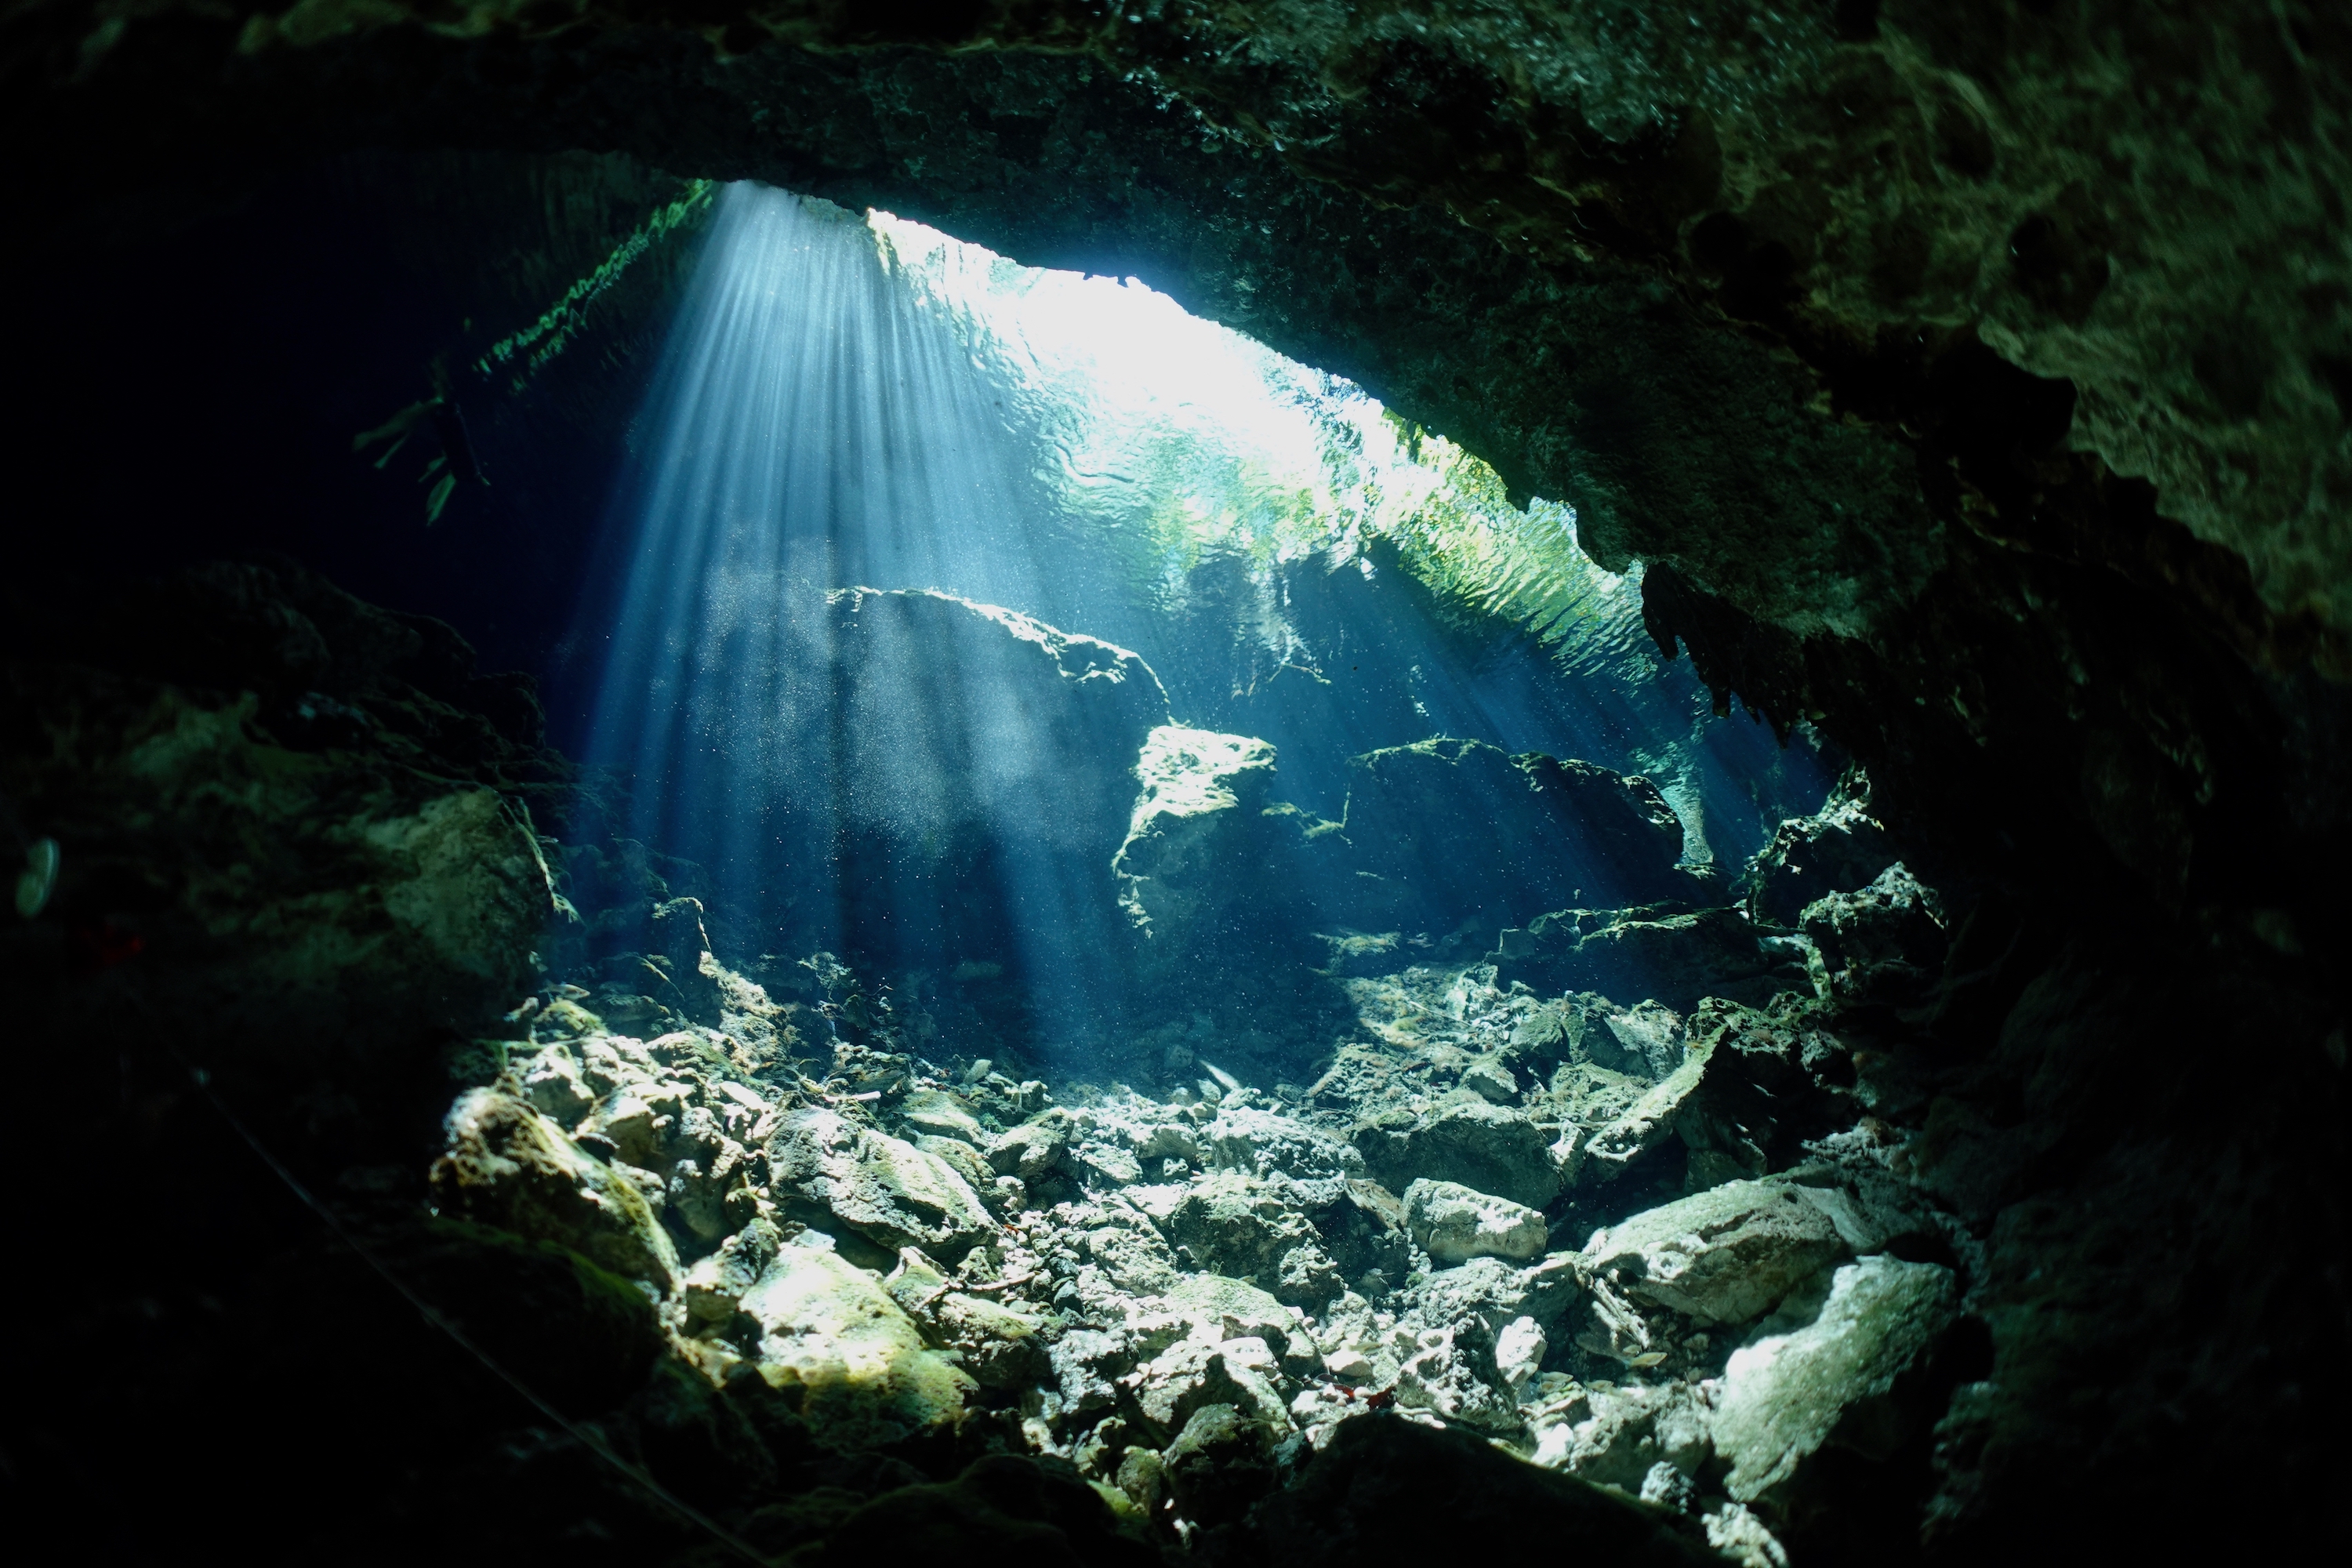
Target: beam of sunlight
x=854 y=403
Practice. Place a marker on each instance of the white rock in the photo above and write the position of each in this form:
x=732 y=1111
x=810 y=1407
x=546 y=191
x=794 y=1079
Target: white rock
x=1454 y=1223
x=1519 y=1352
x=1782 y=1395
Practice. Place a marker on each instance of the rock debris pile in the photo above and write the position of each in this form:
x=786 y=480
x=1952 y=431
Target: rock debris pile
x=1661 y=1247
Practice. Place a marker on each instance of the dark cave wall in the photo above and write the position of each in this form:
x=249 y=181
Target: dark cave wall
x=1774 y=304
x=1796 y=341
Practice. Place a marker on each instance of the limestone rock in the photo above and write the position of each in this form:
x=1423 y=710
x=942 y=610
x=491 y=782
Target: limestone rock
x=1674 y=956
x=1238 y=1225
x=1032 y=1150
x=1839 y=849
x=1193 y=849
x=1491 y=1148
x=508 y=1166
x=934 y=1112
x=1884 y=942
x=890 y=1192
x=961 y=1157
x=1219 y=1466
x=1618 y=1436
x=1196 y=1372
x=1750 y=1085
x=1785 y=1392
x=1491 y=1082
x=1645 y=1040
x=1520 y=1351
x=1085 y=1364
x=1724 y=1256
x=1131 y=1251
x=553 y=1084
x=1233 y=1309
x=716 y=1285
x=866 y=1374
x=1454 y=1223
x=1262 y=1144
x=1001 y=1348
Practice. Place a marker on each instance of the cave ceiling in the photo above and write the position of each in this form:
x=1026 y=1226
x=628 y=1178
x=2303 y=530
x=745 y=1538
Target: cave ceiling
x=1974 y=378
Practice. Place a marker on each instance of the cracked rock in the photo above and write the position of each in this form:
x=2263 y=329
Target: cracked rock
x=1724 y=1256
x=1454 y=1223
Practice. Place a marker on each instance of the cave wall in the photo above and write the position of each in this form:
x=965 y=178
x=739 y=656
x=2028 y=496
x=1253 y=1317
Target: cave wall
x=1973 y=375
x=1969 y=378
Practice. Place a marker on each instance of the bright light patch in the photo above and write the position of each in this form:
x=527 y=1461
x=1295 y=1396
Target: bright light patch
x=1177 y=439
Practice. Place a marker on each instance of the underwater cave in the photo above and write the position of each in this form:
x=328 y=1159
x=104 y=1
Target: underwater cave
x=1247 y=784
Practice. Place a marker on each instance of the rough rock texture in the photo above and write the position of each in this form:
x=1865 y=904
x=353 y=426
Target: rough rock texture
x=1487 y=1147
x=1839 y=849
x=1784 y=1393
x=511 y=1166
x=1674 y=956
x=1453 y=1225
x=1724 y=1256
x=888 y=1190
x=827 y=1328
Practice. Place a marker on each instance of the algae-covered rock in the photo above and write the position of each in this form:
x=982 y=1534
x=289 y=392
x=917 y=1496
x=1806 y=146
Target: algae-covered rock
x=1220 y=1465
x=1724 y=1256
x=934 y=1112
x=1238 y=1225
x=1487 y=1147
x=1454 y=1224
x=1786 y=1391
x=1032 y=1150
x=866 y=1374
x=507 y=1165
x=888 y=1191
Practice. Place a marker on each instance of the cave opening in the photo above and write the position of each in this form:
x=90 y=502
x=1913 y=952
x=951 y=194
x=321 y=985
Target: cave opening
x=1273 y=784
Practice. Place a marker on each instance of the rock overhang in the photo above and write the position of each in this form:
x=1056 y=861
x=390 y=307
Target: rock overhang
x=1730 y=293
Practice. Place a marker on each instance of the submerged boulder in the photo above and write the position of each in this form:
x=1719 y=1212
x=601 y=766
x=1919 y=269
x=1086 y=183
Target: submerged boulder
x=866 y=1374
x=507 y=1165
x=1830 y=1371
x=1487 y=1147
x=1725 y=1256
x=1750 y=1084
x=1883 y=943
x=1454 y=1224
x=1196 y=852
x=890 y=1192
x=1674 y=956
x=1839 y=849
x=1238 y=1225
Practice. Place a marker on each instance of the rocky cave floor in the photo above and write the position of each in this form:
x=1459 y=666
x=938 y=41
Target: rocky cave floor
x=1670 y=1254
x=1860 y=1226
